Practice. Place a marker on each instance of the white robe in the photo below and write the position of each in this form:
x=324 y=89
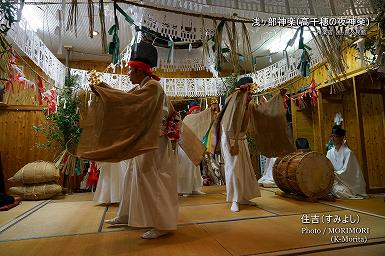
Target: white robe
x=110 y=182
x=241 y=183
x=189 y=175
x=150 y=197
x=349 y=181
x=267 y=179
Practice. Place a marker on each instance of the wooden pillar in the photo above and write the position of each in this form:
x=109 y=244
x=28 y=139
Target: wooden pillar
x=362 y=151
x=294 y=119
x=320 y=145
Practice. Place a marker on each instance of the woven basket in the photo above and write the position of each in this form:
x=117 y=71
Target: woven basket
x=37 y=172
x=36 y=192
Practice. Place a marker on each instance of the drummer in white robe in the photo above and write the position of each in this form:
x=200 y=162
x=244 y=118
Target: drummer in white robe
x=110 y=183
x=190 y=181
x=349 y=181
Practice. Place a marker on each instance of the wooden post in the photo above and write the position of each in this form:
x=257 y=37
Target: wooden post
x=357 y=103
x=68 y=69
x=321 y=133
x=294 y=119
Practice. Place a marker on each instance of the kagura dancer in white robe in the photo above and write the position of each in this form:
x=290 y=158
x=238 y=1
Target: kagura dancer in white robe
x=150 y=183
x=348 y=180
x=189 y=175
x=268 y=124
x=241 y=183
x=137 y=125
x=110 y=183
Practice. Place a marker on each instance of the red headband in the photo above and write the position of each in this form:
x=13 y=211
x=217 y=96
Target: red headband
x=191 y=109
x=144 y=67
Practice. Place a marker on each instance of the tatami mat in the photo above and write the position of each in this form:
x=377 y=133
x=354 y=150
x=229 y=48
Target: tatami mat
x=282 y=233
x=374 y=247
x=202 y=199
x=57 y=219
x=370 y=205
x=202 y=213
x=273 y=190
x=214 y=189
x=199 y=213
x=70 y=226
x=186 y=241
x=286 y=206
x=217 y=212
x=110 y=214
x=75 y=197
x=11 y=214
x=367 y=250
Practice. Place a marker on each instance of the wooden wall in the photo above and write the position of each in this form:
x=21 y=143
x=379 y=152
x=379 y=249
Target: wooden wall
x=18 y=113
x=362 y=107
x=18 y=140
x=303 y=123
x=351 y=123
x=371 y=99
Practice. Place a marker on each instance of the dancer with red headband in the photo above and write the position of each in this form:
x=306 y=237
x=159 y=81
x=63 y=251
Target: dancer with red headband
x=133 y=125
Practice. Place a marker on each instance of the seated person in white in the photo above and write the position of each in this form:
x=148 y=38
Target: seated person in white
x=190 y=181
x=110 y=182
x=349 y=181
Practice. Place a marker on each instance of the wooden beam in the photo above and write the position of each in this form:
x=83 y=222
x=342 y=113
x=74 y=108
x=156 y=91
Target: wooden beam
x=21 y=108
x=348 y=75
x=321 y=130
x=383 y=96
x=294 y=119
x=331 y=100
x=357 y=102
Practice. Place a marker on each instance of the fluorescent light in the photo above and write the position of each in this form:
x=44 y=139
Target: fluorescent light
x=279 y=43
x=31 y=15
x=95 y=33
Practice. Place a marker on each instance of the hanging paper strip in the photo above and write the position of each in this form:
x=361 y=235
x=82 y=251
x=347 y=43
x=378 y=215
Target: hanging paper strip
x=77 y=166
x=313 y=92
x=40 y=90
x=285 y=100
x=93 y=175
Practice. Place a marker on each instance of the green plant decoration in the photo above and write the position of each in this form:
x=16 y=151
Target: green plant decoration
x=9 y=13
x=231 y=84
x=62 y=128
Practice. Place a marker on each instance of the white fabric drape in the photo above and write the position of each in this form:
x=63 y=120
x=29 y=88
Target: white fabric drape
x=150 y=197
x=349 y=181
x=189 y=175
x=241 y=183
x=110 y=183
x=267 y=179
